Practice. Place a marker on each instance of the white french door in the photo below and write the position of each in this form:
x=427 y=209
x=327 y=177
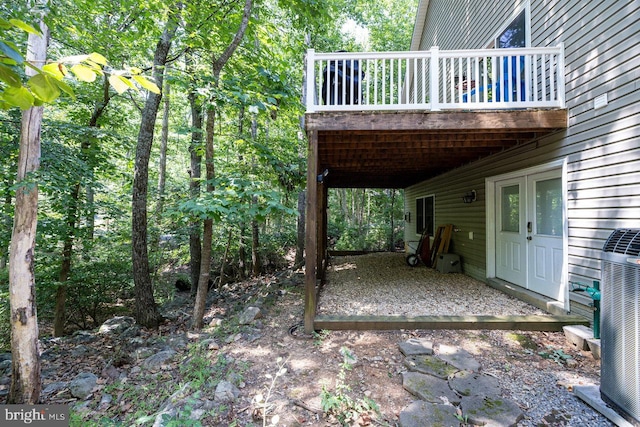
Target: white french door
x=529 y=232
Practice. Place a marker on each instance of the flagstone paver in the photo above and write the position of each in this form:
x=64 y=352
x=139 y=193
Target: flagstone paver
x=451 y=389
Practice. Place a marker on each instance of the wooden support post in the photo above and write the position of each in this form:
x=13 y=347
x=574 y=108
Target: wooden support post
x=311 y=235
x=322 y=231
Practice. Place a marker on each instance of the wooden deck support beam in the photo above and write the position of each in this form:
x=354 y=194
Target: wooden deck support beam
x=522 y=323
x=311 y=234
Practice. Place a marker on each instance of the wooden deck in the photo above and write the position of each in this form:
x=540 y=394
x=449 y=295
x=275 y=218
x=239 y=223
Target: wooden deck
x=521 y=323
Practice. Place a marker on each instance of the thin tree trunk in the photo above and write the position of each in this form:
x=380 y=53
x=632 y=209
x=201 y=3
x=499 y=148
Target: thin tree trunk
x=242 y=253
x=195 y=171
x=164 y=142
x=207 y=232
x=223 y=264
x=205 y=265
x=256 y=263
x=146 y=309
x=25 y=368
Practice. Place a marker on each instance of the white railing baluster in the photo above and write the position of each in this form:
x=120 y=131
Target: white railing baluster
x=534 y=75
x=552 y=77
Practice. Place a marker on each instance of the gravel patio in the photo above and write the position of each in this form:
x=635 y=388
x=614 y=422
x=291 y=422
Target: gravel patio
x=383 y=284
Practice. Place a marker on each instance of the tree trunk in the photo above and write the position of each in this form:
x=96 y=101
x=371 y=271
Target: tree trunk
x=242 y=253
x=146 y=310
x=223 y=264
x=164 y=142
x=300 y=234
x=207 y=233
x=195 y=172
x=256 y=263
x=25 y=368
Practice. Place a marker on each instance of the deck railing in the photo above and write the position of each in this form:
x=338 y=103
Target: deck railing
x=436 y=80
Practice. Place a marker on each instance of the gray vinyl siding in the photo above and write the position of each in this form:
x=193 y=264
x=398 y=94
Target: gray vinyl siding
x=601 y=147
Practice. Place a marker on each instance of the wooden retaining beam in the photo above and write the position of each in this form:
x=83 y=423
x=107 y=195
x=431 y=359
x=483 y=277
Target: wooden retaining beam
x=519 y=323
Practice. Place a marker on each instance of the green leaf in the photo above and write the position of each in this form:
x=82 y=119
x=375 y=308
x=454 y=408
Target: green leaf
x=9 y=76
x=11 y=52
x=19 y=97
x=65 y=88
x=44 y=87
x=83 y=73
x=148 y=85
x=24 y=26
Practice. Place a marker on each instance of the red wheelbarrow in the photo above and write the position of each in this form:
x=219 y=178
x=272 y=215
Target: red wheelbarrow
x=423 y=252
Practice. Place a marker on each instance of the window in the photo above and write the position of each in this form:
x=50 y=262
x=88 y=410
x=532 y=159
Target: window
x=425 y=215
x=515 y=35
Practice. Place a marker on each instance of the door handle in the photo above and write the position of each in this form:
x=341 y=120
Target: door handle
x=529 y=227
x=529 y=237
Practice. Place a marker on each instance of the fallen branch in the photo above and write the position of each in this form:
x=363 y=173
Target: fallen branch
x=303 y=405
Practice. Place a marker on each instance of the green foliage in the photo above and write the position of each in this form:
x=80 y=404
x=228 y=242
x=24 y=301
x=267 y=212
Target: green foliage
x=5 y=326
x=99 y=286
x=555 y=354
x=339 y=404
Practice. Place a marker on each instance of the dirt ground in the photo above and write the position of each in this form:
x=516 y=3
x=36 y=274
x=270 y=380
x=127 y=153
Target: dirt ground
x=277 y=363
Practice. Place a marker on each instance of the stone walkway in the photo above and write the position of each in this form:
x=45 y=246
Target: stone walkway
x=451 y=389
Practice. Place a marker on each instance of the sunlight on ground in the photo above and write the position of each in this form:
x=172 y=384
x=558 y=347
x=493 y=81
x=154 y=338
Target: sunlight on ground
x=345 y=266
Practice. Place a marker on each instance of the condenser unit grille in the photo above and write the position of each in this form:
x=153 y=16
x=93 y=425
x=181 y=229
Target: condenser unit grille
x=620 y=324
x=623 y=241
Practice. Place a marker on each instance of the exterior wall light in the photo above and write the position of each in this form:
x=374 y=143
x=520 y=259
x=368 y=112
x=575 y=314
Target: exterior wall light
x=407 y=216
x=469 y=197
x=322 y=175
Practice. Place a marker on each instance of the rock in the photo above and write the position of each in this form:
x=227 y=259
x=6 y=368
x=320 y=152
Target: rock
x=430 y=365
x=474 y=384
x=429 y=388
x=142 y=352
x=82 y=385
x=5 y=365
x=158 y=359
x=5 y=356
x=210 y=344
x=54 y=387
x=491 y=411
x=79 y=351
x=421 y=414
x=215 y=322
x=131 y=332
x=111 y=373
x=116 y=325
x=178 y=341
x=226 y=392
x=249 y=315
x=105 y=400
x=416 y=347
x=83 y=337
x=458 y=357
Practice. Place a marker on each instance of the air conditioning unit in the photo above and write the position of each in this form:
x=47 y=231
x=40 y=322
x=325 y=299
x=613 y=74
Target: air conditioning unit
x=620 y=324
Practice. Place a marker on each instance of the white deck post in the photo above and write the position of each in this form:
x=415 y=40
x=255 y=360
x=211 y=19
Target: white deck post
x=311 y=81
x=561 y=82
x=434 y=69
